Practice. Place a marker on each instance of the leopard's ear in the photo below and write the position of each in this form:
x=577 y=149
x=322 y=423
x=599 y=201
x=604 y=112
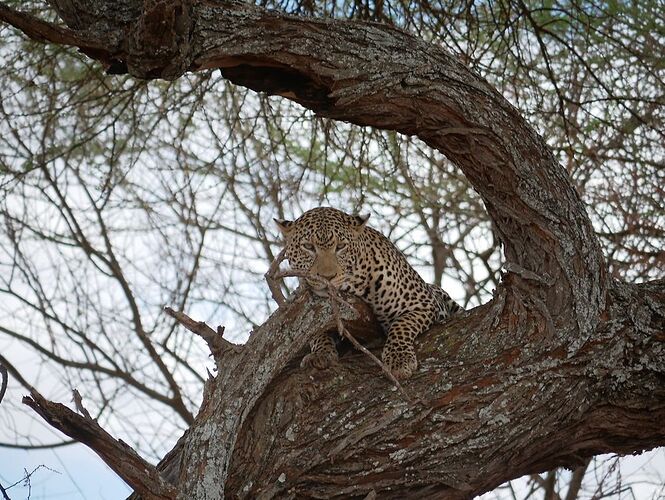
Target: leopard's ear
x=360 y=221
x=285 y=226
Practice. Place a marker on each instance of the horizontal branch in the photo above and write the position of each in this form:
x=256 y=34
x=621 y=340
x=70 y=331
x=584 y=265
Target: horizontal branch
x=43 y=31
x=120 y=457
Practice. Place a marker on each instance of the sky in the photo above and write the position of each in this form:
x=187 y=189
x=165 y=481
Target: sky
x=70 y=472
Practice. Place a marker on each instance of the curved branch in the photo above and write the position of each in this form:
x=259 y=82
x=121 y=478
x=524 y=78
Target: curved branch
x=559 y=366
x=377 y=75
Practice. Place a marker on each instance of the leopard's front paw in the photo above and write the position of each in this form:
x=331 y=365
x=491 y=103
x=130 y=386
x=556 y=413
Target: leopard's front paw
x=402 y=363
x=321 y=359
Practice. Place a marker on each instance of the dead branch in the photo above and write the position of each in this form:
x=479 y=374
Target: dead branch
x=119 y=456
x=215 y=339
x=78 y=402
x=272 y=279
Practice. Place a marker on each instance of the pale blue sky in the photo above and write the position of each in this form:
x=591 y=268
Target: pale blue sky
x=74 y=472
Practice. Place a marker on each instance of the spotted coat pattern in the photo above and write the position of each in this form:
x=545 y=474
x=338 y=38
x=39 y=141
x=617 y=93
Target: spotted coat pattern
x=360 y=260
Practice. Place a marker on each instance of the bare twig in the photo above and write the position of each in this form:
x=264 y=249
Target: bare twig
x=272 y=279
x=25 y=480
x=215 y=340
x=5 y=379
x=335 y=300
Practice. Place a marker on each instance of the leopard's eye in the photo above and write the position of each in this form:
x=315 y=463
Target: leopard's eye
x=340 y=246
x=308 y=246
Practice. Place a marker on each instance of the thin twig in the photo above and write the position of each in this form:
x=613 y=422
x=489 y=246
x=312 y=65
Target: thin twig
x=5 y=380
x=25 y=480
x=335 y=300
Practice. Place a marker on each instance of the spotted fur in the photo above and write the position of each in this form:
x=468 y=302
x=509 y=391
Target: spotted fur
x=360 y=260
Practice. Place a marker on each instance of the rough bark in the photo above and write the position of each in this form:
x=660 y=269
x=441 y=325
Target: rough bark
x=493 y=403
x=562 y=364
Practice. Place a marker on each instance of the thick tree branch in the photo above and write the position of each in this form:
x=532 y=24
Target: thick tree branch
x=237 y=388
x=490 y=407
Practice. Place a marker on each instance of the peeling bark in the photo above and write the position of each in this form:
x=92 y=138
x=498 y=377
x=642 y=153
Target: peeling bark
x=562 y=364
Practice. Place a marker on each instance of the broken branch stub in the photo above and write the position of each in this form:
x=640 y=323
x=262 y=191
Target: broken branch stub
x=273 y=281
x=217 y=344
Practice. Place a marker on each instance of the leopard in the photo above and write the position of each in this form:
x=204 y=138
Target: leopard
x=353 y=257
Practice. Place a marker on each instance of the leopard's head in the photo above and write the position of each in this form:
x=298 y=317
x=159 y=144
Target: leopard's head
x=325 y=242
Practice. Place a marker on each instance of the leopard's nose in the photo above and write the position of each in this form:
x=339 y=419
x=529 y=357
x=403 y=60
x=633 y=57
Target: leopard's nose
x=328 y=274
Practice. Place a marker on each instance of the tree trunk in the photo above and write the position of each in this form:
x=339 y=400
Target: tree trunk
x=560 y=365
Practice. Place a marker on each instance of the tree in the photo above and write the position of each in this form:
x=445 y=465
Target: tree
x=563 y=363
